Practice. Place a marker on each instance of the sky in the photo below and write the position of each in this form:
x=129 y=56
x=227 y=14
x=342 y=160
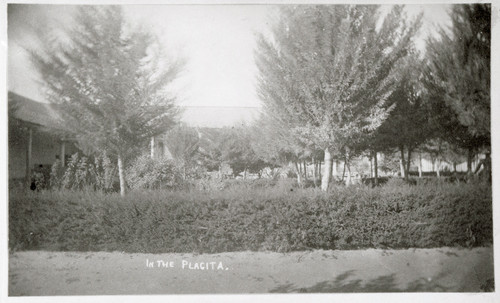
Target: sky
x=217 y=42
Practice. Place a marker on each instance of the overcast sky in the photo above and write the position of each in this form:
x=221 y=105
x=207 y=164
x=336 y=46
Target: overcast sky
x=218 y=42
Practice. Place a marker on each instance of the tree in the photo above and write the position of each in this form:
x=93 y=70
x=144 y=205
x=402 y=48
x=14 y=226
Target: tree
x=183 y=143
x=109 y=84
x=408 y=124
x=232 y=147
x=210 y=149
x=457 y=78
x=237 y=151
x=275 y=143
x=331 y=72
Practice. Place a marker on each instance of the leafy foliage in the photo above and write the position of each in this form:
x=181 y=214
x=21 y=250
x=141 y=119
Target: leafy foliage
x=147 y=173
x=183 y=143
x=457 y=78
x=210 y=149
x=254 y=216
x=108 y=83
x=327 y=73
x=82 y=172
x=238 y=152
x=230 y=146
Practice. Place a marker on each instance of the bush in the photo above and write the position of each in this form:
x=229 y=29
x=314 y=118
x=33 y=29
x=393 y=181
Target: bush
x=41 y=177
x=147 y=173
x=94 y=172
x=242 y=217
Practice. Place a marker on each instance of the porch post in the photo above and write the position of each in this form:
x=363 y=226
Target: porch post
x=29 y=163
x=63 y=153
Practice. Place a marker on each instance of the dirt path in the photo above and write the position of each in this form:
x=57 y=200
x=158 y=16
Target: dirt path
x=37 y=273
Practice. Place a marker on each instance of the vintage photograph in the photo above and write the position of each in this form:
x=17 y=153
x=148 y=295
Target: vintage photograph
x=277 y=148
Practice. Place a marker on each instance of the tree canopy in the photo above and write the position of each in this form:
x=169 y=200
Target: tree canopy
x=108 y=81
x=457 y=77
x=329 y=70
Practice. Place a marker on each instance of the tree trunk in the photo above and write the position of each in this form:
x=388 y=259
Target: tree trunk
x=348 y=181
x=402 y=163
x=299 y=177
x=315 y=171
x=375 y=167
x=121 y=175
x=348 y=163
x=305 y=170
x=438 y=168
x=319 y=169
x=326 y=175
x=343 y=171
x=371 y=165
x=454 y=166
x=470 y=155
x=331 y=169
x=420 y=165
x=408 y=162
x=245 y=174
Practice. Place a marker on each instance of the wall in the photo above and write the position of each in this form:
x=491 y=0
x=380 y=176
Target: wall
x=46 y=148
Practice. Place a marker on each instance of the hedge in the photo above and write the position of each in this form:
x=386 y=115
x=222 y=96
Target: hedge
x=276 y=218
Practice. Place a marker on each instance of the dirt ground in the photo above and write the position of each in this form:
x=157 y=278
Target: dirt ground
x=41 y=273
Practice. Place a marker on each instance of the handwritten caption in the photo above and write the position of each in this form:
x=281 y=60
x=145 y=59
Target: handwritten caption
x=213 y=265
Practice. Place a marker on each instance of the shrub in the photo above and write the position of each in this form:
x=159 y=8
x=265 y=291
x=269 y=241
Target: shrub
x=94 y=172
x=242 y=217
x=147 y=173
x=41 y=177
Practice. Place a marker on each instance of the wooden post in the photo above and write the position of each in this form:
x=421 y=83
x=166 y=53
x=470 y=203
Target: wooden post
x=29 y=163
x=63 y=153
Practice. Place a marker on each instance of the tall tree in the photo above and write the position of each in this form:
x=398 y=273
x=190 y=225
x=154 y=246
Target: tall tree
x=275 y=143
x=408 y=124
x=210 y=149
x=109 y=83
x=331 y=70
x=238 y=152
x=457 y=78
x=183 y=143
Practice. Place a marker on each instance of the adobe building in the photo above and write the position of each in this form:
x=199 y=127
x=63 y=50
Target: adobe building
x=35 y=138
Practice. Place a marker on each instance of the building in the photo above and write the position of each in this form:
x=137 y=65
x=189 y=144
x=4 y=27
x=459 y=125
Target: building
x=36 y=140
x=35 y=137
x=203 y=117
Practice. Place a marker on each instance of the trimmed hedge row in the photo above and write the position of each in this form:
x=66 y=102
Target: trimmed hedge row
x=245 y=218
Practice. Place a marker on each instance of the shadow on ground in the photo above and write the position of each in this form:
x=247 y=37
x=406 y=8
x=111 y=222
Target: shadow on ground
x=387 y=283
